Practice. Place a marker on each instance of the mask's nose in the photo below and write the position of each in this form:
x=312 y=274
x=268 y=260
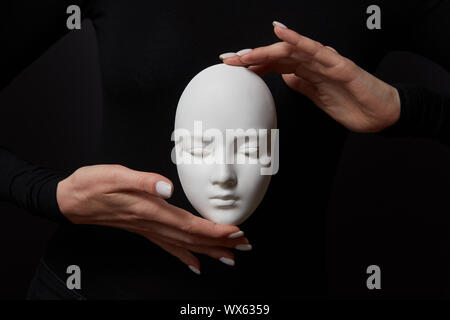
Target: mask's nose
x=224 y=175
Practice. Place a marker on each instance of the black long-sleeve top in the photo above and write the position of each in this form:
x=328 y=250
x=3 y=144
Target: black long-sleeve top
x=148 y=51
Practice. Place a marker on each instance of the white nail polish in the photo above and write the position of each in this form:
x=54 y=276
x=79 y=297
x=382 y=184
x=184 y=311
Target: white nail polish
x=227 y=261
x=164 y=189
x=194 y=269
x=236 y=235
x=226 y=55
x=243 y=247
x=279 y=24
x=240 y=53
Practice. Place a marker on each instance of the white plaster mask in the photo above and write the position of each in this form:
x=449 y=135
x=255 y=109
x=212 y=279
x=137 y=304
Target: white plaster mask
x=218 y=99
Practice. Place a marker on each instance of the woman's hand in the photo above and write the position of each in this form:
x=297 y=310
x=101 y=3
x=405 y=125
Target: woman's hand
x=115 y=196
x=350 y=95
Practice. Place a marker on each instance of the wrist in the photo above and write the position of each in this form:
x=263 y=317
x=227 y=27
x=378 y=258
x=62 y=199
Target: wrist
x=63 y=198
x=393 y=107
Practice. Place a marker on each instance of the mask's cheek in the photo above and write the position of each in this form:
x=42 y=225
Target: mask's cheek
x=251 y=185
x=194 y=179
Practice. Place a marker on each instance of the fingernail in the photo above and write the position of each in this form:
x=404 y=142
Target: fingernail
x=243 y=247
x=276 y=23
x=194 y=269
x=227 y=261
x=226 y=55
x=164 y=189
x=236 y=235
x=240 y=53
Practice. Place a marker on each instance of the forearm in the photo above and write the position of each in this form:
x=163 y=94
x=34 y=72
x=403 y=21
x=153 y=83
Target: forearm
x=32 y=187
x=27 y=30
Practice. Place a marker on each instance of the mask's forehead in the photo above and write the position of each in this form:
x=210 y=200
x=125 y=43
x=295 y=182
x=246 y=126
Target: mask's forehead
x=224 y=97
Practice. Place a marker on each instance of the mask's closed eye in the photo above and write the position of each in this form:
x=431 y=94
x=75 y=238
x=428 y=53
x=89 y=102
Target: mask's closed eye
x=199 y=148
x=249 y=149
x=196 y=152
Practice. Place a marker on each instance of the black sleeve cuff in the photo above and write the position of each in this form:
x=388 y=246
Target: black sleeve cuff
x=29 y=186
x=423 y=114
x=34 y=188
x=47 y=202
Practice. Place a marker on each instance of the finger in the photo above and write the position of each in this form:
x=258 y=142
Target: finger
x=183 y=238
x=181 y=219
x=261 y=55
x=182 y=254
x=331 y=48
x=309 y=73
x=328 y=57
x=224 y=255
x=218 y=253
x=152 y=183
x=281 y=66
x=315 y=50
x=300 y=42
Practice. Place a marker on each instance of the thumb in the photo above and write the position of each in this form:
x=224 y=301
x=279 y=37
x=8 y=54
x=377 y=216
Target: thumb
x=151 y=183
x=155 y=184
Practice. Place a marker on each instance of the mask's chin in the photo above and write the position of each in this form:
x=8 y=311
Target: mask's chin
x=226 y=216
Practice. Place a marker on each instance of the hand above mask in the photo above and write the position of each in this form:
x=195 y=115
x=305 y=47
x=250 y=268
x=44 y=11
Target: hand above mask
x=350 y=95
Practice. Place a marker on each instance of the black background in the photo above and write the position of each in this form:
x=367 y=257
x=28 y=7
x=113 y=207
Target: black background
x=389 y=205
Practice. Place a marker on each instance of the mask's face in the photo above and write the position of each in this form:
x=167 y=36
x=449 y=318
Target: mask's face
x=220 y=171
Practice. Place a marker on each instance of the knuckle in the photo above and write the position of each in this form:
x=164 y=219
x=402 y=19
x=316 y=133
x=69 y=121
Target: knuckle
x=285 y=48
x=298 y=42
x=147 y=211
x=344 y=69
x=216 y=231
x=288 y=51
x=188 y=228
x=114 y=176
x=331 y=49
x=340 y=67
x=318 y=50
x=347 y=63
x=190 y=241
x=140 y=211
x=113 y=171
x=140 y=181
